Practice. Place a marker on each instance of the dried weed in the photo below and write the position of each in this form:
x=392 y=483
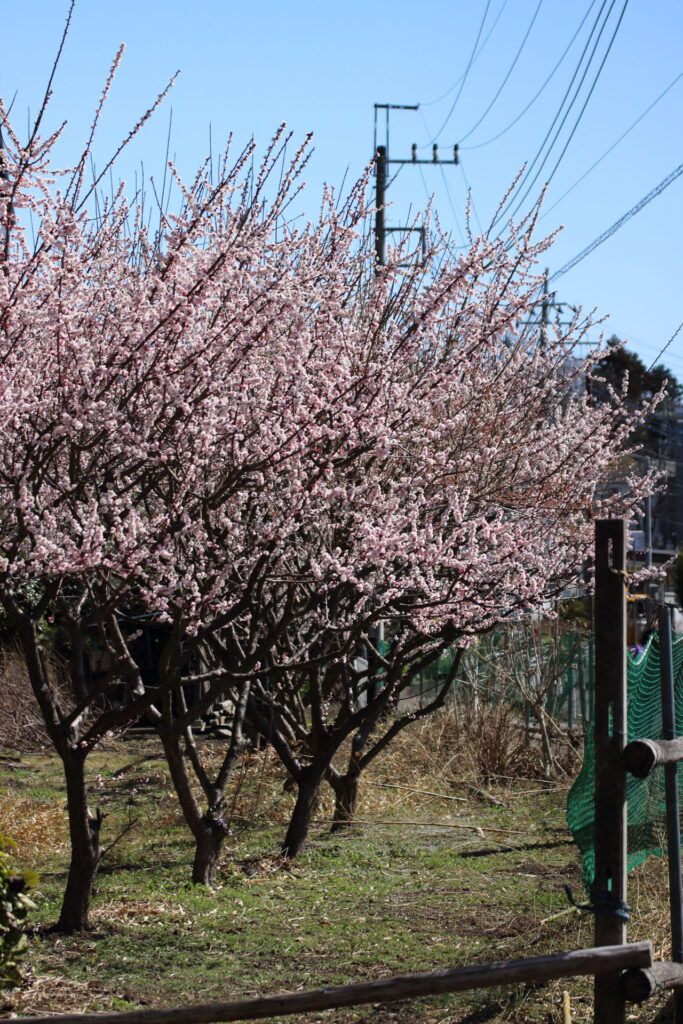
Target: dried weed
x=35 y=826
x=21 y=724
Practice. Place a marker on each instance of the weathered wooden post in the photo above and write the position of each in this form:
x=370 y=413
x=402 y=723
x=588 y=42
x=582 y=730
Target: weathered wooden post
x=673 y=834
x=608 y=894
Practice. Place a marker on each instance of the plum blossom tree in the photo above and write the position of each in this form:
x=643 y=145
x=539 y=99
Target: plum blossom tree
x=239 y=426
x=158 y=425
x=472 y=506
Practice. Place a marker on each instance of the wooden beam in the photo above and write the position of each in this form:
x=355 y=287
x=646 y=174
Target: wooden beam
x=406 y=986
x=641 y=983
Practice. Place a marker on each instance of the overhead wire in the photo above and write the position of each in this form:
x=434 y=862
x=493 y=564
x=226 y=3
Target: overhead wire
x=581 y=112
x=450 y=198
x=445 y=181
x=657 y=190
x=430 y=103
x=504 y=131
x=452 y=205
x=614 y=144
x=469 y=191
x=533 y=163
x=509 y=72
x=464 y=78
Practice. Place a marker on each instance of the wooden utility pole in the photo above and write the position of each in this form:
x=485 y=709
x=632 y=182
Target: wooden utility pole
x=673 y=834
x=608 y=893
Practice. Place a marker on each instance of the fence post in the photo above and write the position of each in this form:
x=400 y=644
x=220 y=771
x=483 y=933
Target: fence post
x=584 y=652
x=591 y=676
x=671 y=790
x=609 y=888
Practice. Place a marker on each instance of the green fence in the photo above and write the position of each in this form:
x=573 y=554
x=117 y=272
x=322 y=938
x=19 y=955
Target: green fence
x=646 y=805
x=493 y=670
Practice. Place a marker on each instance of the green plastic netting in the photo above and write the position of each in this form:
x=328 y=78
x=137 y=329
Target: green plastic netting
x=646 y=805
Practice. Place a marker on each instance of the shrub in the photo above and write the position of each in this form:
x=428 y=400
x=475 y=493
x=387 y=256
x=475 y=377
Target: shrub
x=14 y=907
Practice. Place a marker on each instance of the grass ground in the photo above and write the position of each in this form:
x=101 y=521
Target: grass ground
x=434 y=875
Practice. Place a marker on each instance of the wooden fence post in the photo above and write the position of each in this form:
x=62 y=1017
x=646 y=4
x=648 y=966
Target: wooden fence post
x=673 y=827
x=608 y=894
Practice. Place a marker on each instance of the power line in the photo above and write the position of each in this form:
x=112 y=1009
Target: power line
x=614 y=144
x=530 y=167
x=519 y=202
x=509 y=72
x=445 y=181
x=467 y=184
x=585 y=103
x=450 y=199
x=533 y=99
x=467 y=71
x=670 y=178
x=430 y=103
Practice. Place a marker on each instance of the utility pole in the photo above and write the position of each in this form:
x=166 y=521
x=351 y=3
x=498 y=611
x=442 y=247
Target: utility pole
x=382 y=163
x=649 y=586
x=380 y=190
x=544 y=308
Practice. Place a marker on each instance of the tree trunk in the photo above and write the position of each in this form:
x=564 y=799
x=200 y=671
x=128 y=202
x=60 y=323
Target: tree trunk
x=308 y=785
x=207 y=850
x=346 y=786
x=84 y=831
x=346 y=798
x=548 y=760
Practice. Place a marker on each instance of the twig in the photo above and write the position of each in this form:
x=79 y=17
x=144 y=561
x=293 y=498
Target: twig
x=128 y=827
x=560 y=913
x=120 y=772
x=435 y=824
x=535 y=792
x=426 y=792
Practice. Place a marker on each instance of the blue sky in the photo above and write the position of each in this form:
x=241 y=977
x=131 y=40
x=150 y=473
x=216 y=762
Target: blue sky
x=320 y=67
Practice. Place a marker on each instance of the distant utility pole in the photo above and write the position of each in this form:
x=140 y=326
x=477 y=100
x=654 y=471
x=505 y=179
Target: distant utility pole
x=382 y=163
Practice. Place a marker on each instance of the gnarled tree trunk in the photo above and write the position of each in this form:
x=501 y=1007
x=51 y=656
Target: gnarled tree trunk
x=208 y=841
x=346 y=797
x=84 y=831
x=308 y=789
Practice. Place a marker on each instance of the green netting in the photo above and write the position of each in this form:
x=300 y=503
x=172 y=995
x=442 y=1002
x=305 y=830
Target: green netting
x=646 y=805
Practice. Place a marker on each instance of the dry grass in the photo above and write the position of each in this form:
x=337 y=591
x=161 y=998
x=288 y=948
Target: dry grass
x=379 y=900
x=482 y=743
x=21 y=724
x=35 y=826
